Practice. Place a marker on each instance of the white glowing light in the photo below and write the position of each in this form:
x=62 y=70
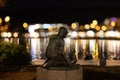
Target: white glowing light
x=117 y=34
x=7 y=19
x=110 y=34
x=90 y=33
x=34 y=34
x=15 y=34
x=4 y=34
x=100 y=34
x=32 y=28
x=87 y=26
x=9 y=34
x=82 y=34
x=74 y=34
x=46 y=25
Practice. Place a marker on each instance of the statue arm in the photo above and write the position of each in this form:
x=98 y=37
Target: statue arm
x=62 y=47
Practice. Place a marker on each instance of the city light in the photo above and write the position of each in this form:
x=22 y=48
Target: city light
x=15 y=34
x=90 y=33
x=25 y=25
x=7 y=19
x=88 y=37
x=0 y=20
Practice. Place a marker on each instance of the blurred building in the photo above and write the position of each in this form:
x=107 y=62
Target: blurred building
x=95 y=38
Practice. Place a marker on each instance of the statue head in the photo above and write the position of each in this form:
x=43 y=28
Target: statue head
x=62 y=32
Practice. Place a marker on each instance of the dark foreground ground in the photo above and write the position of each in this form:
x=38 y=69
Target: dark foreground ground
x=89 y=73
x=101 y=73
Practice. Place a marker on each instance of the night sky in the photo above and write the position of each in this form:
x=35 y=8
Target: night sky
x=66 y=11
x=62 y=3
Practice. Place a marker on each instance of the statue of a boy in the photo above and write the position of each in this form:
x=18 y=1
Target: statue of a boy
x=55 y=50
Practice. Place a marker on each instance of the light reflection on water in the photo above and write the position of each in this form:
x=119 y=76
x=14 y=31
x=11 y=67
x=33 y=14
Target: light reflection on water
x=95 y=46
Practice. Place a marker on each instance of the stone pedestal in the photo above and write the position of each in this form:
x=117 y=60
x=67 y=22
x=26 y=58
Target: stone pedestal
x=60 y=74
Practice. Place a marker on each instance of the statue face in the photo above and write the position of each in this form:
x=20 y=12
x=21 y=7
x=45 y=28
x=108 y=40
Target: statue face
x=63 y=32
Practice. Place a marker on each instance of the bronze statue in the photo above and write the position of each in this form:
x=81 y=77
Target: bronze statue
x=55 y=51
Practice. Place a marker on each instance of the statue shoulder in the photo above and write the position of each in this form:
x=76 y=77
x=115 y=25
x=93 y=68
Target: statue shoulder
x=53 y=37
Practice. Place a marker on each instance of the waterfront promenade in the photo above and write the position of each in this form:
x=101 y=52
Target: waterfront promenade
x=83 y=62
x=91 y=70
